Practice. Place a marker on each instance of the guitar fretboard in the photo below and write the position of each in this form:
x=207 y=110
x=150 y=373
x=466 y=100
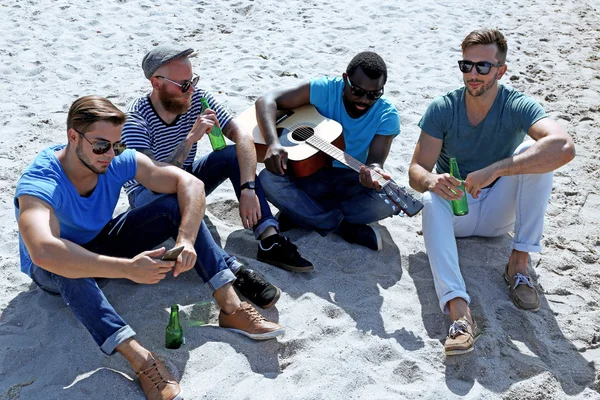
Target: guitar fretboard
x=346 y=159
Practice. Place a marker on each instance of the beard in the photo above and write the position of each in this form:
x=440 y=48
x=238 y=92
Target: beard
x=85 y=161
x=175 y=104
x=483 y=89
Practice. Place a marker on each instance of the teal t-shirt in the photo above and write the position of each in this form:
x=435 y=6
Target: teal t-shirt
x=494 y=139
x=381 y=119
x=80 y=218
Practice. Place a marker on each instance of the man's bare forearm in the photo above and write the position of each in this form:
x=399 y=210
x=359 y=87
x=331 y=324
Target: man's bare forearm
x=180 y=153
x=192 y=203
x=419 y=178
x=545 y=155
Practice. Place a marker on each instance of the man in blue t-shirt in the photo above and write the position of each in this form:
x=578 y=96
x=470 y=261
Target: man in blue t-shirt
x=64 y=206
x=507 y=182
x=335 y=198
x=167 y=124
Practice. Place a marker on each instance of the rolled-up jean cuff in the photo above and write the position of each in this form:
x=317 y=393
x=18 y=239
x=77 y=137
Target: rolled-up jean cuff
x=109 y=346
x=262 y=227
x=221 y=279
x=453 y=295
x=527 y=248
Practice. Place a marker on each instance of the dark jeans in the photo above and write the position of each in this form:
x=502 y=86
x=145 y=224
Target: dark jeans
x=127 y=235
x=324 y=199
x=213 y=169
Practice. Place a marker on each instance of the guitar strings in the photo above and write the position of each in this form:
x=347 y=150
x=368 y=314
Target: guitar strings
x=304 y=132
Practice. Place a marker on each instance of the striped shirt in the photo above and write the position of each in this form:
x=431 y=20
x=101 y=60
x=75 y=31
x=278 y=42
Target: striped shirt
x=144 y=129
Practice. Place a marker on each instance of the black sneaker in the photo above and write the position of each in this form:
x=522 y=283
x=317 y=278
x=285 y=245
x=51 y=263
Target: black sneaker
x=364 y=235
x=256 y=288
x=282 y=253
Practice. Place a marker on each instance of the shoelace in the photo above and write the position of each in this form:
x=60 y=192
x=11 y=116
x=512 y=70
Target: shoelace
x=253 y=314
x=522 y=280
x=155 y=376
x=458 y=327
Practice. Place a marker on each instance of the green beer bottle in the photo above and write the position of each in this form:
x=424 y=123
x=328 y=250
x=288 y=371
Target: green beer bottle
x=174 y=337
x=217 y=141
x=460 y=206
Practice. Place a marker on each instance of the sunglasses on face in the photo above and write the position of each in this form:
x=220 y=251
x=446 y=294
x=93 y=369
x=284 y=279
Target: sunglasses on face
x=185 y=86
x=360 y=92
x=482 y=67
x=103 y=146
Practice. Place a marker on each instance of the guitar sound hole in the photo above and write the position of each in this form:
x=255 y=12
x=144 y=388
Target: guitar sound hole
x=302 y=133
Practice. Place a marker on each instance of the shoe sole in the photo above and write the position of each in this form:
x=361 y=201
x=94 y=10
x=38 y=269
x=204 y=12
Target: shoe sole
x=179 y=396
x=287 y=267
x=260 y=336
x=506 y=278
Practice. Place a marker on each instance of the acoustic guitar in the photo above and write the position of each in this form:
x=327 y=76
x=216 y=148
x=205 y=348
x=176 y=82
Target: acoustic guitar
x=312 y=142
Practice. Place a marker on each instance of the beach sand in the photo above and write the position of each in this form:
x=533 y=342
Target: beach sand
x=364 y=325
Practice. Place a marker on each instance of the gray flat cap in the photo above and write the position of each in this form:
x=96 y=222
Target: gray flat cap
x=161 y=55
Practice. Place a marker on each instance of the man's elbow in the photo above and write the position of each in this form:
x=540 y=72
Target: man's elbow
x=568 y=151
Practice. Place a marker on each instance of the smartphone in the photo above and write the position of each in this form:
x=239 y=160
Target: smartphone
x=171 y=255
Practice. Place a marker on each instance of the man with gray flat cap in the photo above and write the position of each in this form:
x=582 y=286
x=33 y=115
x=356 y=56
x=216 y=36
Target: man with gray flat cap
x=167 y=124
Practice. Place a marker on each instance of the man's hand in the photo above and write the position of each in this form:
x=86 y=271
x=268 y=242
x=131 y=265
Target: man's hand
x=365 y=177
x=147 y=268
x=203 y=125
x=479 y=179
x=276 y=159
x=187 y=259
x=446 y=186
x=249 y=208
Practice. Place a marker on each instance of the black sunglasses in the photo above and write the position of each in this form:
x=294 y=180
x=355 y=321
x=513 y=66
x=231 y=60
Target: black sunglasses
x=103 y=146
x=482 y=67
x=360 y=92
x=185 y=86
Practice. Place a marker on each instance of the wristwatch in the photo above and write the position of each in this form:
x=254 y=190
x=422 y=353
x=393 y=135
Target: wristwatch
x=248 y=185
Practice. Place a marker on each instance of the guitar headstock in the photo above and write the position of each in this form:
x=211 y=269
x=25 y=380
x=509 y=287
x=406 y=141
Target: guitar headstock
x=400 y=196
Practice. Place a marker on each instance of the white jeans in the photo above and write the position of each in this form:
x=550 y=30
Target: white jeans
x=517 y=201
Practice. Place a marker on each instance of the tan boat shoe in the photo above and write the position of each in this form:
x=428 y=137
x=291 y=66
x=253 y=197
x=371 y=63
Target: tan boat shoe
x=247 y=321
x=158 y=383
x=461 y=337
x=522 y=292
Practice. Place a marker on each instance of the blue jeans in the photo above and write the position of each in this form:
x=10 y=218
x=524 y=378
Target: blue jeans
x=127 y=235
x=213 y=169
x=514 y=202
x=322 y=200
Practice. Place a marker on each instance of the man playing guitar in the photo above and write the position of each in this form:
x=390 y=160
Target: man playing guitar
x=335 y=199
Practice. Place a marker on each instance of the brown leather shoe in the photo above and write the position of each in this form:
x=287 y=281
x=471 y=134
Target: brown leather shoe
x=158 y=383
x=461 y=337
x=247 y=321
x=522 y=292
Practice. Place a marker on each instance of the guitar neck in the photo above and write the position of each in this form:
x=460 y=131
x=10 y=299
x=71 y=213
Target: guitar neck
x=342 y=157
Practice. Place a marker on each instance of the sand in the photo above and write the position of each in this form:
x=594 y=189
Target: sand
x=365 y=325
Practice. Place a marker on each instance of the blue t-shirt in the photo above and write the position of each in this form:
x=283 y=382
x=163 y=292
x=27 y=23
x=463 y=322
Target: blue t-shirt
x=494 y=139
x=381 y=119
x=80 y=218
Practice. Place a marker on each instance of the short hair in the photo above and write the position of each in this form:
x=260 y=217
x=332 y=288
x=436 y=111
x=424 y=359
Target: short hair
x=370 y=63
x=88 y=110
x=487 y=36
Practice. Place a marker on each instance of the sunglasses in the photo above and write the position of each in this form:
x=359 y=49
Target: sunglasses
x=360 y=92
x=185 y=86
x=482 y=67
x=103 y=146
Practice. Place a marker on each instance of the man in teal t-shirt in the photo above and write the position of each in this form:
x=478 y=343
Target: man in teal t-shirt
x=507 y=182
x=335 y=198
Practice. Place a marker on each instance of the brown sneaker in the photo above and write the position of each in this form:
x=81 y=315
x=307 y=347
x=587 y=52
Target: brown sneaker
x=522 y=292
x=247 y=321
x=461 y=337
x=158 y=383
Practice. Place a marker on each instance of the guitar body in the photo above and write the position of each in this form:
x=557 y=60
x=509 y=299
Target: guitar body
x=294 y=127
